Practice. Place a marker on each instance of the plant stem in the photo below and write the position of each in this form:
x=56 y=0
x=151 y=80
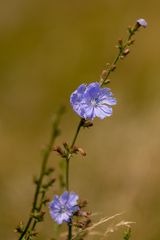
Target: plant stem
x=82 y=121
x=70 y=231
x=54 y=134
x=120 y=53
x=67 y=174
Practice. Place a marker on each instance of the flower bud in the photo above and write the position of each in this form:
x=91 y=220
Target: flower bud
x=66 y=146
x=113 y=67
x=142 y=22
x=81 y=151
x=59 y=150
x=88 y=124
x=49 y=171
x=120 y=41
x=20 y=228
x=126 y=52
x=107 y=81
x=104 y=74
x=130 y=42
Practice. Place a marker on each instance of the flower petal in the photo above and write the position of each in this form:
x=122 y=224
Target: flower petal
x=103 y=111
x=63 y=207
x=73 y=197
x=91 y=101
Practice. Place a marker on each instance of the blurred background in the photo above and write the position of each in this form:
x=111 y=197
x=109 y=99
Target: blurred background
x=47 y=49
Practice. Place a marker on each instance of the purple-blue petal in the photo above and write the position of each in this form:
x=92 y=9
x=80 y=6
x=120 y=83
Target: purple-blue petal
x=108 y=101
x=92 y=101
x=73 y=198
x=64 y=197
x=103 y=111
x=63 y=207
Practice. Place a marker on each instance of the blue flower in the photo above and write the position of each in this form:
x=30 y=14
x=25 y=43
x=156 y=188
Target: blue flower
x=63 y=207
x=142 y=22
x=90 y=101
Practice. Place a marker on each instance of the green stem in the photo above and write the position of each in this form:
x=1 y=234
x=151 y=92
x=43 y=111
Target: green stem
x=70 y=231
x=39 y=209
x=42 y=173
x=82 y=121
x=48 y=150
x=67 y=174
x=26 y=228
x=121 y=50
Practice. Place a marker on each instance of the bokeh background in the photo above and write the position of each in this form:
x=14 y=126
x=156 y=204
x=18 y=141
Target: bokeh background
x=48 y=48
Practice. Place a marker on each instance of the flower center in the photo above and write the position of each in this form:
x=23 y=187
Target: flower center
x=94 y=102
x=63 y=209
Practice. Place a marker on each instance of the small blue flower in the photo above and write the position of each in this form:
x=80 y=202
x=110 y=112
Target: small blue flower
x=142 y=22
x=90 y=101
x=63 y=207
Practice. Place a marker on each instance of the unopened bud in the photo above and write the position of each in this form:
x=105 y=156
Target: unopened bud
x=108 y=65
x=120 y=41
x=126 y=52
x=34 y=233
x=74 y=149
x=45 y=201
x=130 y=42
x=48 y=184
x=39 y=216
x=104 y=74
x=142 y=22
x=81 y=151
x=59 y=150
x=88 y=124
x=20 y=228
x=66 y=146
x=35 y=180
x=49 y=171
x=85 y=214
x=83 y=203
x=107 y=81
x=130 y=30
x=113 y=67
x=120 y=44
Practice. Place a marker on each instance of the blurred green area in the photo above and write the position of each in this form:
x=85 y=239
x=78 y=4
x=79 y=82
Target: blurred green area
x=48 y=48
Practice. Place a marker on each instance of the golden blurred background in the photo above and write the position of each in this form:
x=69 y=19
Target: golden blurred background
x=47 y=49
